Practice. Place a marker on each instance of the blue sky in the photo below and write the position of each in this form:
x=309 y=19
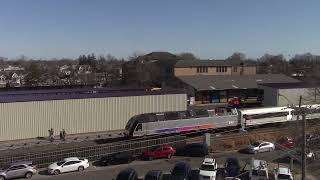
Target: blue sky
x=208 y=28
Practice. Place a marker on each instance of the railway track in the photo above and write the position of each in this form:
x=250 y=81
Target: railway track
x=189 y=137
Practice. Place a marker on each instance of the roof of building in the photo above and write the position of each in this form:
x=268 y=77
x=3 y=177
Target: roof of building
x=290 y=85
x=222 y=82
x=209 y=63
x=85 y=93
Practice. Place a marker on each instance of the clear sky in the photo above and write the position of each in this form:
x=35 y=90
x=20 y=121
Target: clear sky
x=208 y=28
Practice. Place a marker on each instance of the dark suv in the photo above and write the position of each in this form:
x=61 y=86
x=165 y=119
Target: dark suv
x=181 y=171
x=18 y=170
x=194 y=150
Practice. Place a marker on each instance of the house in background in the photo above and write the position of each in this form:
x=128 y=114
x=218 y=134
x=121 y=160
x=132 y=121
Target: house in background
x=152 y=69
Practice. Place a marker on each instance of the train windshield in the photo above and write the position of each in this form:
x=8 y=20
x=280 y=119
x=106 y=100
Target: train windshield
x=130 y=123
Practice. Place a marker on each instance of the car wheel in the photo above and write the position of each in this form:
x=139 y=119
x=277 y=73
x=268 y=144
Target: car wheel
x=2 y=178
x=255 y=152
x=28 y=175
x=56 y=172
x=150 y=158
x=80 y=168
x=169 y=156
x=270 y=149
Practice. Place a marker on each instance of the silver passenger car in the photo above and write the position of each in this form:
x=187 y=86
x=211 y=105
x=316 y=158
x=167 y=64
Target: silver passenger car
x=18 y=170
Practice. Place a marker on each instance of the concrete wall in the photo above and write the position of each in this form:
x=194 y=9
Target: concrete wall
x=294 y=94
x=284 y=97
x=22 y=120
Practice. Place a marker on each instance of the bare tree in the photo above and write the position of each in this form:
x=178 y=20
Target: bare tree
x=187 y=56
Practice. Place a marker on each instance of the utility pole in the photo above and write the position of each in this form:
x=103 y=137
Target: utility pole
x=304 y=144
x=298 y=114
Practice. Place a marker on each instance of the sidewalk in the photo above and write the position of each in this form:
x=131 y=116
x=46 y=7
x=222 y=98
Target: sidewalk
x=15 y=144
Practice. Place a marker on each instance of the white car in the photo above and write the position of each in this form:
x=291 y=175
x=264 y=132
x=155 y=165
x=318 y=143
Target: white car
x=208 y=169
x=68 y=165
x=260 y=146
x=282 y=173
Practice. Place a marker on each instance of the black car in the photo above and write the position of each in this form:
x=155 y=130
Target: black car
x=153 y=175
x=181 y=171
x=194 y=150
x=127 y=174
x=117 y=158
x=232 y=167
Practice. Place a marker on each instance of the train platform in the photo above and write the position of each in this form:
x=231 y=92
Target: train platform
x=69 y=139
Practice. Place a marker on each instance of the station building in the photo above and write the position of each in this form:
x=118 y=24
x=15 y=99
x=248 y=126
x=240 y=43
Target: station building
x=213 y=89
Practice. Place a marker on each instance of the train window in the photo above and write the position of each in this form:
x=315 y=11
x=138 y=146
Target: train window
x=160 y=117
x=139 y=127
x=201 y=113
x=151 y=118
x=183 y=115
x=266 y=115
x=172 y=116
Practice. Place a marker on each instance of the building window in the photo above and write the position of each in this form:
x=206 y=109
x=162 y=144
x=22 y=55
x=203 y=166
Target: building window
x=235 y=69
x=221 y=69
x=202 y=69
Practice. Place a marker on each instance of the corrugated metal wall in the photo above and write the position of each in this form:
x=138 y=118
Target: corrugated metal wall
x=22 y=120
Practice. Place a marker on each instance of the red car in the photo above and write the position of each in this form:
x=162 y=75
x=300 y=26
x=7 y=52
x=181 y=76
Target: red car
x=159 y=152
x=286 y=142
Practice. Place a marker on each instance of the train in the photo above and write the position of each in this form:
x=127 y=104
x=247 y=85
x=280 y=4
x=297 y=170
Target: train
x=201 y=119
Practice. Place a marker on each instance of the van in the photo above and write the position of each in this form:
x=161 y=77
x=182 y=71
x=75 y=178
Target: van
x=258 y=170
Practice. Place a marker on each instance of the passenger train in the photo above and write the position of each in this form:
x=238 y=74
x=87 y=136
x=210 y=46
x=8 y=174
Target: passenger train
x=196 y=120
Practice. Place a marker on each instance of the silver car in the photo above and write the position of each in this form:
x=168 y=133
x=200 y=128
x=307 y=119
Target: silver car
x=18 y=170
x=260 y=146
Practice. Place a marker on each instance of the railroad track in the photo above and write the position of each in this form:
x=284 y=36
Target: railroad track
x=188 y=137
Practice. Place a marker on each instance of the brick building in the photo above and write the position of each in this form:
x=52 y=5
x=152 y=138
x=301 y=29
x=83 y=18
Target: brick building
x=214 y=67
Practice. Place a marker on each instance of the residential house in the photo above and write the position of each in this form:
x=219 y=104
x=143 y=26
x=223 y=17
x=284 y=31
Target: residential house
x=151 y=69
x=13 y=68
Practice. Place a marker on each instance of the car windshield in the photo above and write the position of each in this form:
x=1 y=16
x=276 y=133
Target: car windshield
x=255 y=144
x=283 y=176
x=60 y=163
x=207 y=167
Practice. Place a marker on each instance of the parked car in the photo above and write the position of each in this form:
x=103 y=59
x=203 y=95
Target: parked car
x=260 y=146
x=208 y=169
x=286 y=142
x=68 y=165
x=117 y=158
x=18 y=170
x=283 y=173
x=158 y=152
x=181 y=171
x=127 y=174
x=153 y=175
x=194 y=150
x=232 y=167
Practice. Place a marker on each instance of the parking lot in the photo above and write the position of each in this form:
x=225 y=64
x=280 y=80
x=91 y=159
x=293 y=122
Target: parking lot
x=166 y=165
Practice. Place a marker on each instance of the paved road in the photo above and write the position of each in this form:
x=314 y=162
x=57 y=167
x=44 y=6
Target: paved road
x=110 y=172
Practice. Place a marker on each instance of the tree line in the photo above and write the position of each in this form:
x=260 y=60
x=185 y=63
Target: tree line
x=103 y=69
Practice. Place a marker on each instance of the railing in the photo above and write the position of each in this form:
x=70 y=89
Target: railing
x=93 y=153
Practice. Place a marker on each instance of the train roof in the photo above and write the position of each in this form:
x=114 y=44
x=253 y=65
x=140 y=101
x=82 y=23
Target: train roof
x=265 y=110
